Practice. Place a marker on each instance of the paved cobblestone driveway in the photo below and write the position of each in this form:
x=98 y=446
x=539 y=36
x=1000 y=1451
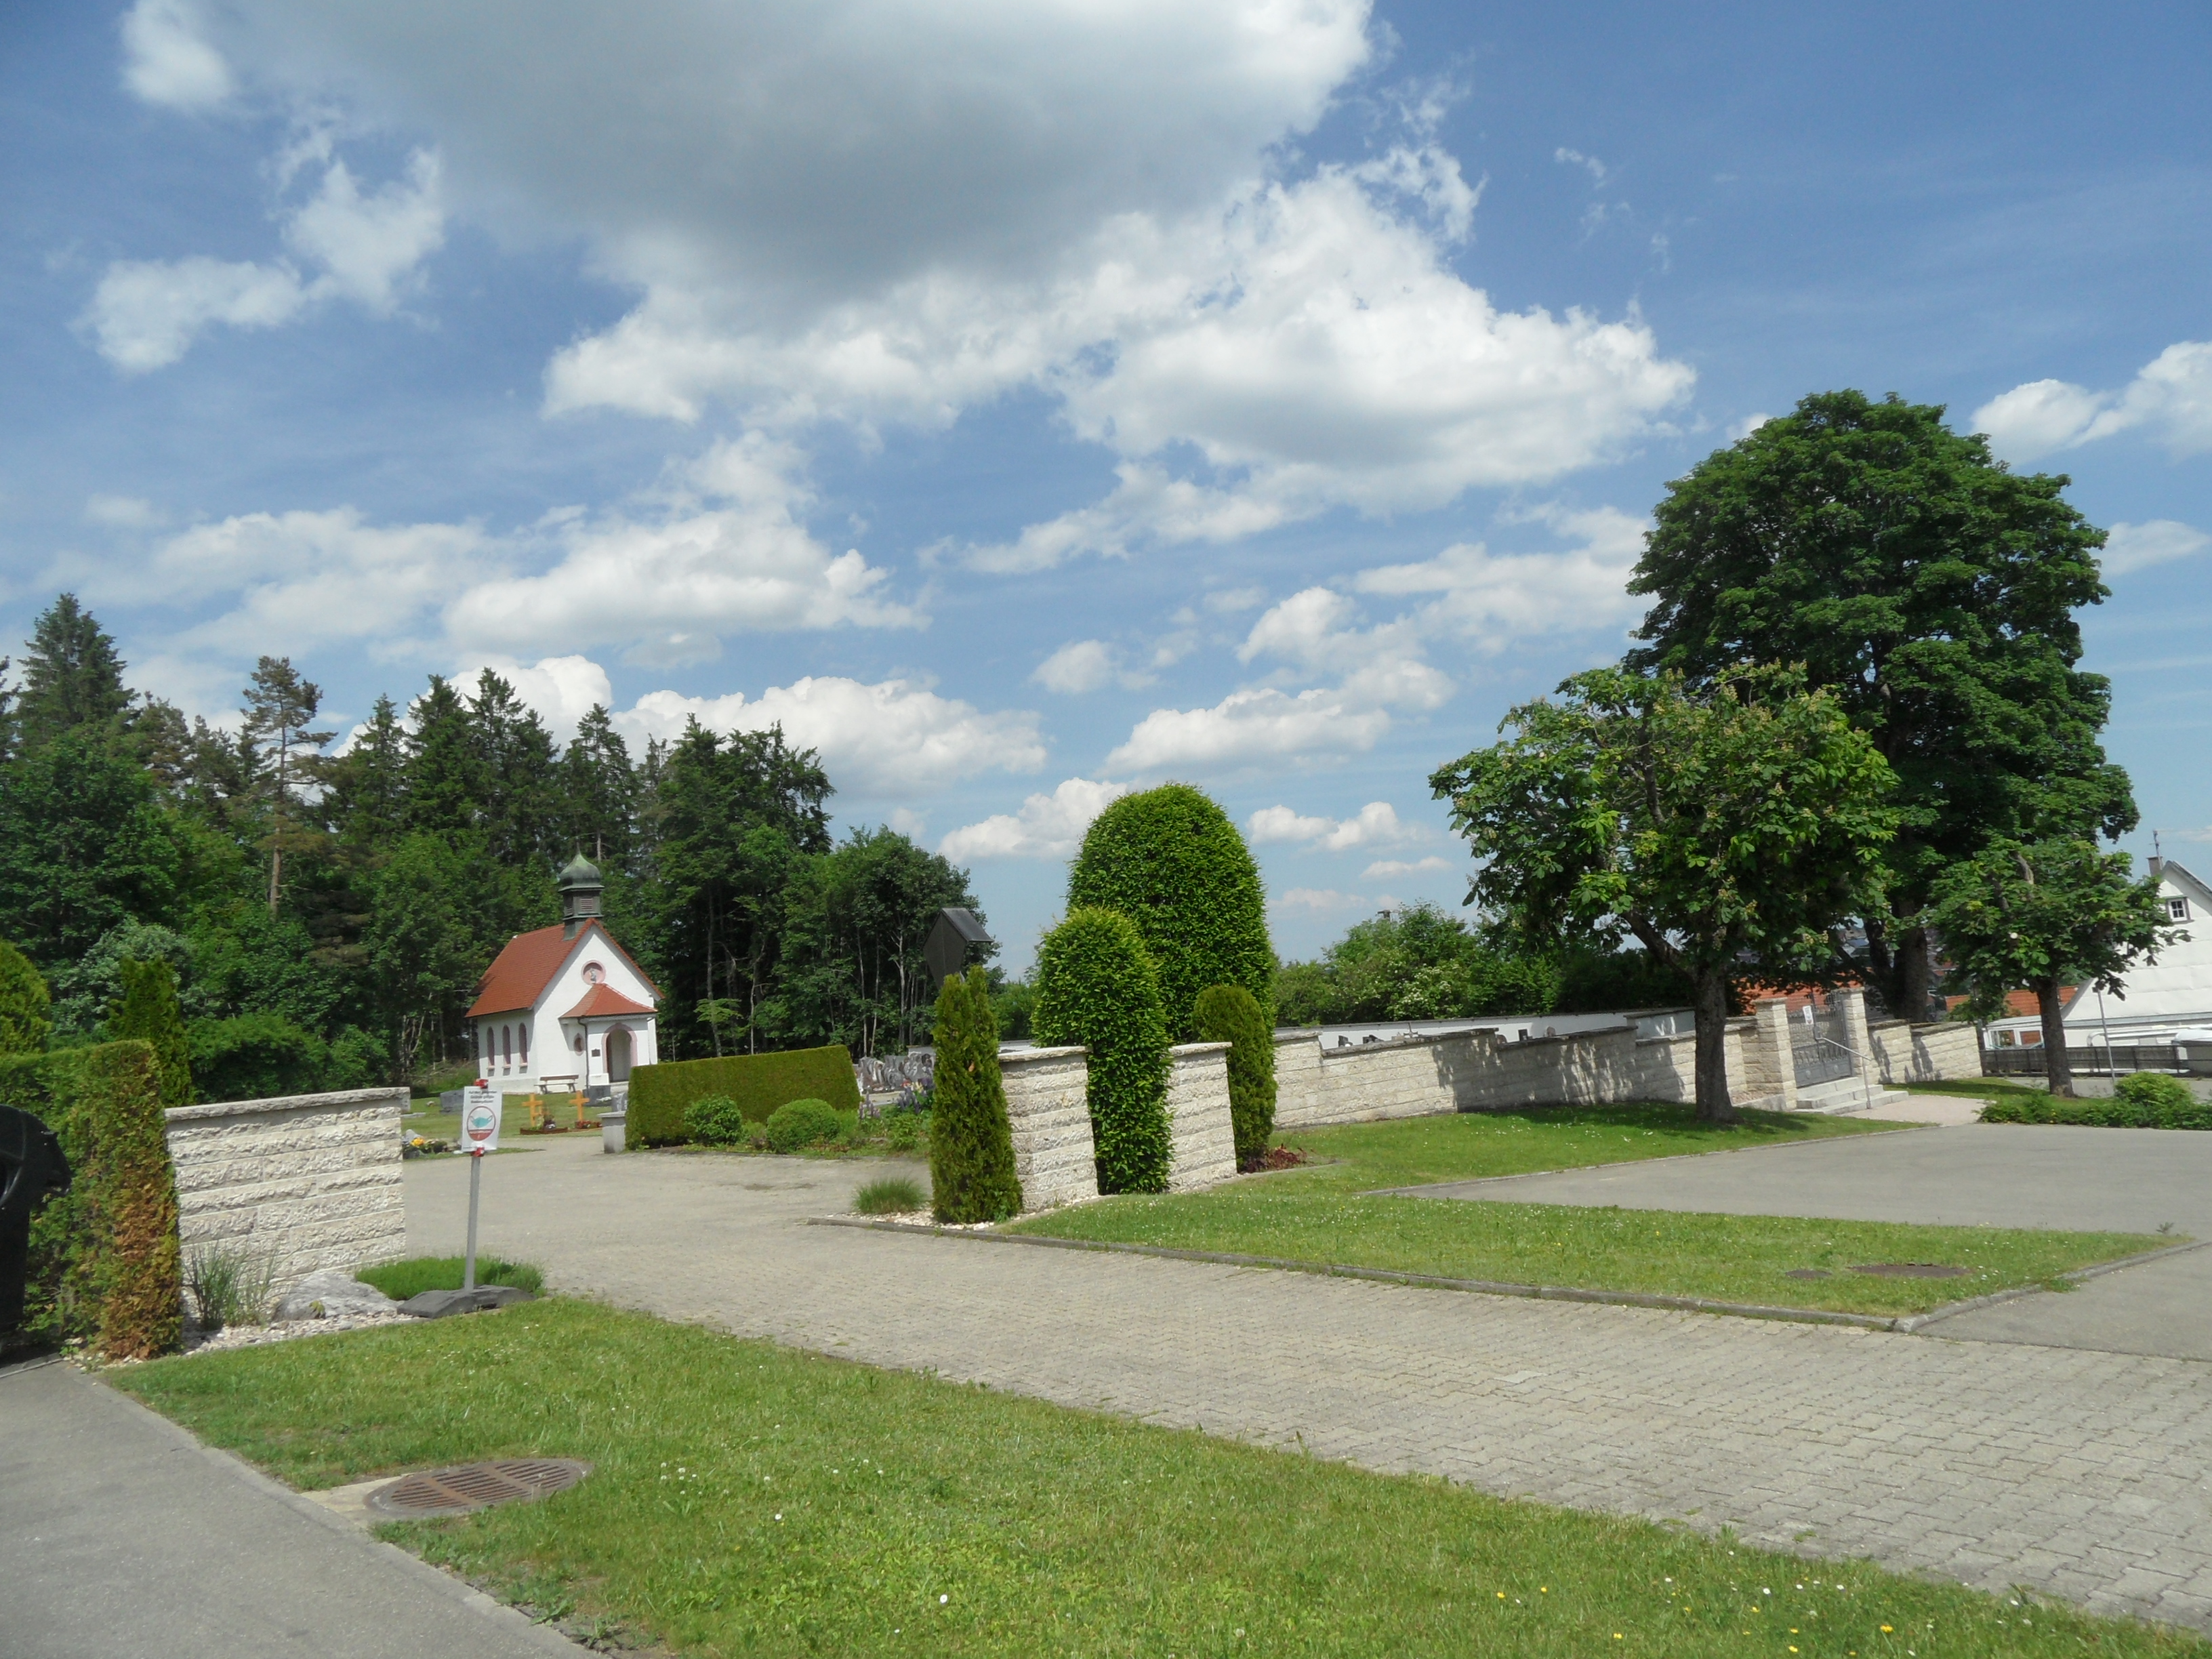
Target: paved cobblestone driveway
x=2078 y=1472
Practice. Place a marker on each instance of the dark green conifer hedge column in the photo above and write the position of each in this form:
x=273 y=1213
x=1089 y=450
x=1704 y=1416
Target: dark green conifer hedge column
x=150 y=1013
x=1230 y=1014
x=1169 y=860
x=25 y=1005
x=971 y=1148
x=1096 y=986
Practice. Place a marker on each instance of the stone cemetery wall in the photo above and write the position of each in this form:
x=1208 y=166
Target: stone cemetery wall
x=301 y=1182
x=1048 y=1108
x=1925 y=1054
x=1202 y=1138
x=1473 y=1071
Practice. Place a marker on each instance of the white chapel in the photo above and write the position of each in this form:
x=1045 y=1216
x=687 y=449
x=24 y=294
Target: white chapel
x=564 y=1007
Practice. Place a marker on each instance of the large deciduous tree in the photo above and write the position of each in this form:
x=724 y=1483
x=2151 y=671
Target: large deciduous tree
x=1726 y=828
x=2041 y=915
x=1933 y=592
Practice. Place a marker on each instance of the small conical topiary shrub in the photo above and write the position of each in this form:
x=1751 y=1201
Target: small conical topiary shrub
x=1096 y=986
x=1230 y=1014
x=150 y=1013
x=971 y=1146
x=25 y=1005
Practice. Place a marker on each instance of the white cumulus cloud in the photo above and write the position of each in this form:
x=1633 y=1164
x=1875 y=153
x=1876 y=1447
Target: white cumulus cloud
x=1049 y=826
x=366 y=247
x=1318 y=900
x=895 y=736
x=2170 y=398
x=2131 y=547
x=167 y=59
x=563 y=690
x=1376 y=824
x=1382 y=869
x=1083 y=666
x=1248 y=727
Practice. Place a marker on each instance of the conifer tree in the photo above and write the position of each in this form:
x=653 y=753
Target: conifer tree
x=1097 y=988
x=150 y=1013
x=25 y=1005
x=72 y=677
x=971 y=1146
x=279 y=708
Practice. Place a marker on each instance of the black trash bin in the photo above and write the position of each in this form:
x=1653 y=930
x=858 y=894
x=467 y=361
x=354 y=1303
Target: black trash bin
x=32 y=1171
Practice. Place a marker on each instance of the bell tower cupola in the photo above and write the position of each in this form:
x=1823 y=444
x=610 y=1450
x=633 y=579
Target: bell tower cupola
x=581 y=887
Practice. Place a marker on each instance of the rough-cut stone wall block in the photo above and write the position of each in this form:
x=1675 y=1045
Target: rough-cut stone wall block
x=1048 y=1110
x=305 y=1182
x=1202 y=1138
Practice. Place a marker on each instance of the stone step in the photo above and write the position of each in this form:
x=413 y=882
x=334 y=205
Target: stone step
x=1847 y=1094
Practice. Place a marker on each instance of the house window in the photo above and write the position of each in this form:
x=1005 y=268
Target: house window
x=506 y=1045
x=522 y=1036
x=2178 y=908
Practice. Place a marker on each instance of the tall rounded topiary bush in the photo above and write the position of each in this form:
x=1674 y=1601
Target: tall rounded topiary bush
x=1096 y=986
x=1230 y=1014
x=25 y=1005
x=1170 y=861
x=971 y=1145
x=150 y=1013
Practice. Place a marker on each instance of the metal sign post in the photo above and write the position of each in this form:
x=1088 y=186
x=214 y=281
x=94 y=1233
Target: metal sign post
x=479 y=1135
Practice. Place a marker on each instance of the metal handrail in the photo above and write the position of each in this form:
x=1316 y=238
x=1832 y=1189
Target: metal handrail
x=1859 y=1065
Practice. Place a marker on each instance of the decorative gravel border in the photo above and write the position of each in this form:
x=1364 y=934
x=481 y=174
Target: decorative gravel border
x=1907 y=1323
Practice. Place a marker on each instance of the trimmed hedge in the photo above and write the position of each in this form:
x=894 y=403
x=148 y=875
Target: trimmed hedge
x=1230 y=1014
x=150 y=1012
x=971 y=1144
x=1096 y=986
x=2148 y=1100
x=26 y=1005
x=660 y=1096
x=104 y=1263
x=1170 y=861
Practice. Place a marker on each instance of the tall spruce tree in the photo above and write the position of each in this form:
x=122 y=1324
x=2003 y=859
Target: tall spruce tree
x=445 y=782
x=72 y=676
x=1933 y=592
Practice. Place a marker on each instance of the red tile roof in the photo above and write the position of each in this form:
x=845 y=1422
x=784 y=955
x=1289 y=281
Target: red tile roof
x=2021 y=1005
x=519 y=974
x=602 y=1001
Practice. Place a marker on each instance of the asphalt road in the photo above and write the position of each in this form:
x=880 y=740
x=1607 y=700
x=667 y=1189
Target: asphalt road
x=1978 y=1175
x=121 y=1536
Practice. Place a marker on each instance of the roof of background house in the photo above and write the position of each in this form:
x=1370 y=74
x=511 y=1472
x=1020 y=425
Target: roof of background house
x=519 y=975
x=2020 y=1004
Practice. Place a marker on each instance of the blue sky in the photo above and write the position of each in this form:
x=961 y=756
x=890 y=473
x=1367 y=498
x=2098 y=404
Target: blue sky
x=1023 y=403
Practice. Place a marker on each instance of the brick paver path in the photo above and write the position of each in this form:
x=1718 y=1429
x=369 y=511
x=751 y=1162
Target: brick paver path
x=2081 y=1473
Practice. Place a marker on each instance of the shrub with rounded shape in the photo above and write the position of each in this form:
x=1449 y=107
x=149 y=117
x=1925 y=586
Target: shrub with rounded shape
x=798 y=1123
x=2155 y=1097
x=1230 y=1014
x=1096 y=986
x=1170 y=861
x=971 y=1145
x=716 y=1120
x=26 y=1005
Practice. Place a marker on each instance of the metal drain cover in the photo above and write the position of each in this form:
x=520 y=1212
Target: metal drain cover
x=469 y=1486
x=1912 y=1270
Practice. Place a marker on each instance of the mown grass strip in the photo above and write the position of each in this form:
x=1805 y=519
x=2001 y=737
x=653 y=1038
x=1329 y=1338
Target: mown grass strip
x=746 y=1499
x=1716 y=1258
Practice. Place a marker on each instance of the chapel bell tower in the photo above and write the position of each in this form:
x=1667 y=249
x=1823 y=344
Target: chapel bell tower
x=580 y=894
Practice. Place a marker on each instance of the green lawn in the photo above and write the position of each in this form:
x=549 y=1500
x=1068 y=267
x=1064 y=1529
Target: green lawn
x=401 y=1279
x=1465 y=1145
x=1322 y=1215
x=746 y=1499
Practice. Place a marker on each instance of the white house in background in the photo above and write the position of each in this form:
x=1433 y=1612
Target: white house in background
x=2173 y=994
x=564 y=1007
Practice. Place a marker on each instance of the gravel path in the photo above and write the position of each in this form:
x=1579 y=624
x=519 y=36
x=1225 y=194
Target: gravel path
x=2082 y=1473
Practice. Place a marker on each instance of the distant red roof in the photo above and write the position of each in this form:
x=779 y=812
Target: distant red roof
x=602 y=1001
x=2020 y=1004
x=519 y=974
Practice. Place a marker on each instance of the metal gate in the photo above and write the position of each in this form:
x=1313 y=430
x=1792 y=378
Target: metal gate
x=1817 y=1047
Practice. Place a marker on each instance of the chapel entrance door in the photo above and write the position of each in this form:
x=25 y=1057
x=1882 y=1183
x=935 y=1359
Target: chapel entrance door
x=618 y=1056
